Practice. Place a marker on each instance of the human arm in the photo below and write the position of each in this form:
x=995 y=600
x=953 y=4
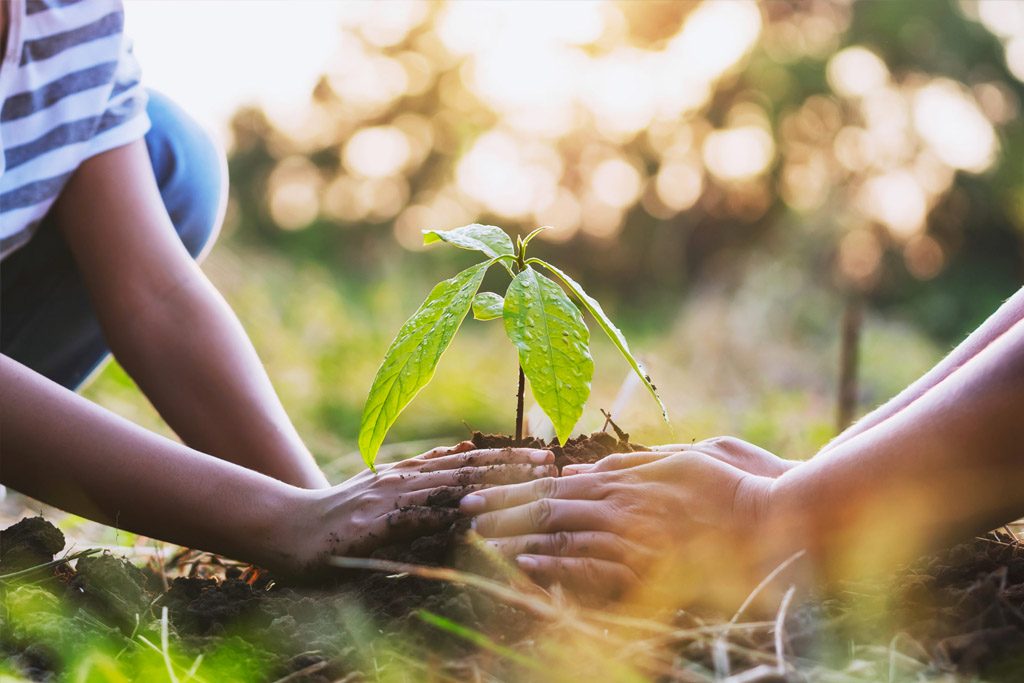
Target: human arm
x=999 y=322
x=168 y=326
x=948 y=465
x=66 y=451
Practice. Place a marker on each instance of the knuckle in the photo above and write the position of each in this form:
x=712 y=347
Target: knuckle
x=589 y=570
x=540 y=514
x=618 y=549
x=547 y=487
x=562 y=542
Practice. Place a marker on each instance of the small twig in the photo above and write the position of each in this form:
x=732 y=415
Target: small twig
x=764 y=582
x=780 y=631
x=192 y=670
x=311 y=669
x=623 y=436
x=49 y=565
x=530 y=603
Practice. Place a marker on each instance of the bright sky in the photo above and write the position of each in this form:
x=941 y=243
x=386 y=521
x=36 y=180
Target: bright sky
x=215 y=55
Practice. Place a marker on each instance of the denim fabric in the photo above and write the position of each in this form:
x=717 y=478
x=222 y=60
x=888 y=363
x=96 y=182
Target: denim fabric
x=46 y=320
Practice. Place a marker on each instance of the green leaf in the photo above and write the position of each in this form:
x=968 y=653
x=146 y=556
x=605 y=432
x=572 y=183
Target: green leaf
x=609 y=328
x=410 y=360
x=491 y=240
x=554 y=347
x=488 y=306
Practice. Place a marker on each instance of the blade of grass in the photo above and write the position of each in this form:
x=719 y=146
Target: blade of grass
x=477 y=638
x=780 y=631
x=165 y=645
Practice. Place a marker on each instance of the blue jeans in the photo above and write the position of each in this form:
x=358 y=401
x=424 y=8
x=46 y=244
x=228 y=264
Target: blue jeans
x=46 y=320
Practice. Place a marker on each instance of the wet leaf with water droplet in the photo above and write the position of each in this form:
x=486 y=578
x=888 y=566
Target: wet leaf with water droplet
x=537 y=313
x=412 y=357
x=491 y=240
x=609 y=328
x=488 y=306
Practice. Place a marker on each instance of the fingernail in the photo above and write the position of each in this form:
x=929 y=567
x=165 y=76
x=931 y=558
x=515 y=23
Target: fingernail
x=541 y=457
x=472 y=504
x=526 y=563
x=543 y=471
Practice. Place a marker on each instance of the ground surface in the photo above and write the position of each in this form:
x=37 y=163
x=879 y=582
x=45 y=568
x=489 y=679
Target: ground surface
x=93 y=616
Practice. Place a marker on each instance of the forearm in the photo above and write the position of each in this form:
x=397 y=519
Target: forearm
x=208 y=383
x=998 y=323
x=951 y=464
x=167 y=324
x=68 y=452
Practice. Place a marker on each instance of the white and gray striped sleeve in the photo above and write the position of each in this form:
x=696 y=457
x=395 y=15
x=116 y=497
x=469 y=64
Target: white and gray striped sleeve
x=124 y=119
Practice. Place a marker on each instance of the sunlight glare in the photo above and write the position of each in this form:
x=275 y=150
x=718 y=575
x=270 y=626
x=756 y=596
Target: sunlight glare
x=950 y=121
x=509 y=177
x=856 y=71
x=377 y=152
x=1005 y=18
x=715 y=37
x=738 y=153
x=897 y=201
x=616 y=182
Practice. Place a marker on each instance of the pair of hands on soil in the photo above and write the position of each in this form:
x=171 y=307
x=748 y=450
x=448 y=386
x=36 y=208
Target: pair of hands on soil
x=600 y=529
x=406 y=499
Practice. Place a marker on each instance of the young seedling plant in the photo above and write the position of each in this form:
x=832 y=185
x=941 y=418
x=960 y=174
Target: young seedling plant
x=540 y=319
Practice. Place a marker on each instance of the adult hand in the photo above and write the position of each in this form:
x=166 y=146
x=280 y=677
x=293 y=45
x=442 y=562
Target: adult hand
x=740 y=454
x=598 y=533
x=409 y=498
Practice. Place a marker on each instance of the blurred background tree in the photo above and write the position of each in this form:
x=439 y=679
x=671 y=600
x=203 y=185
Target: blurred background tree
x=728 y=175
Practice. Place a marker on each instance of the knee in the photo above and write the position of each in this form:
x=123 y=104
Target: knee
x=191 y=172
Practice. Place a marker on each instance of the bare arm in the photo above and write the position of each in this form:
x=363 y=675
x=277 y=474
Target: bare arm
x=65 y=450
x=1000 y=321
x=949 y=464
x=168 y=326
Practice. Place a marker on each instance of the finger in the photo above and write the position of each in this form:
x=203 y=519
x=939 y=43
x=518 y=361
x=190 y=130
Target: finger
x=470 y=476
x=460 y=447
x=602 y=545
x=441 y=496
x=490 y=456
x=586 y=576
x=577 y=468
x=547 y=515
x=672 y=447
x=621 y=461
x=511 y=496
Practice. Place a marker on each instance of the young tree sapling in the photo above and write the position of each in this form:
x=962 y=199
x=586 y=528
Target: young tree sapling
x=542 y=322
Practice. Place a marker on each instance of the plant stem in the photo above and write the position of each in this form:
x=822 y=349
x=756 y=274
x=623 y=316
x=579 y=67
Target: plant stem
x=519 y=406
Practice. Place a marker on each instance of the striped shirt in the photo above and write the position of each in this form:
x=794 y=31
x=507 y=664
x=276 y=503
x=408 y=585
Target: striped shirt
x=70 y=89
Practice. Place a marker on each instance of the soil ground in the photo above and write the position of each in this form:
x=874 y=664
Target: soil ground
x=959 y=613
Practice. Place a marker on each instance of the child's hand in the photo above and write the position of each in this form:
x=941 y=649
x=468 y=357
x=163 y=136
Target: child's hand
x=402 y=500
